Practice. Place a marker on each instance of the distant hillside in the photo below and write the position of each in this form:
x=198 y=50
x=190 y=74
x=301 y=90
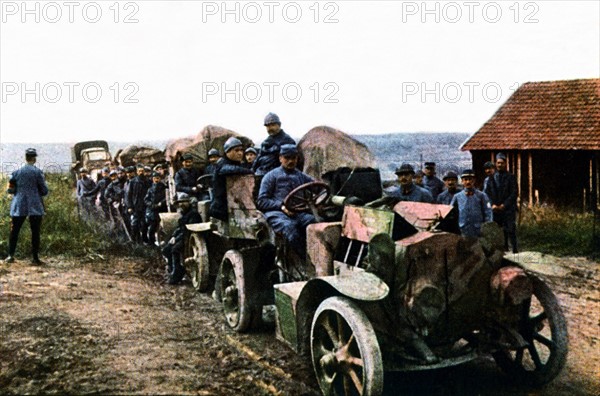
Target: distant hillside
x=391 y=150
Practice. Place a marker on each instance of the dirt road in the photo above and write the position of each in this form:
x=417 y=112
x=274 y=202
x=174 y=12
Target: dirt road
x=113 y=326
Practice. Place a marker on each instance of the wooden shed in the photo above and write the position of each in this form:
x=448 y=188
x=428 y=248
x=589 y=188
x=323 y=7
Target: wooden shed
x=550 y=132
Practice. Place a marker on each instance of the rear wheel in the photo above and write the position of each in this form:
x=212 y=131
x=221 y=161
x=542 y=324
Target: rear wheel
x=198 y=266
x=544 y=328
x=236 y=305
x=345 y=352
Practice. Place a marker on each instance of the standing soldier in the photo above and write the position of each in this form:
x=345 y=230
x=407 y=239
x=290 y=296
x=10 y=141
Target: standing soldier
x=418 y=179
x=130 y=172
x=84 y=185
x=431 y=181
x=502 y=190
x=186 y=178
x=407 y=190
x=451 y=182
x=114 y=198
x=156 y=202
x=28 y=186
x=268 y=158
x=489 y=170
x=98 y=192
x=473 y=206
x=136 y=193
x=213 y=157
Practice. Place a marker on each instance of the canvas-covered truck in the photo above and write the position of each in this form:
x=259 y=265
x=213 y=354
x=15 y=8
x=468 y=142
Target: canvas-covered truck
x=92 y=154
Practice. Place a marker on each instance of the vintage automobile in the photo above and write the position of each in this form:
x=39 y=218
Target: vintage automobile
x=92 y=155
x=390 y=288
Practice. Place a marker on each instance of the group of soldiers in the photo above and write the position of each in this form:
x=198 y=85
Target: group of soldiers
x=497 y=201
x=132 y=198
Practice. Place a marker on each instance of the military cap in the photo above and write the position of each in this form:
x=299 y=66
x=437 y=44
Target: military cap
x=138 y=166
x=429 y=164
x=467 y=173
x=450 y=175
x=105 y=170
x=405 y=168
x=182 y=197
x=156 y=174
x=187 y=156
x=30 y=152
x=488 y=165
x=113 y=173
x=501 y=156
x=231 y=143
x=120 y=169
x=83 y=170
x=419 y=173
x=272 y=118
x=130 y=169
x=147 y=169
x=288 y=149
x=250 y=150
x=158 y=166
x=213 y=152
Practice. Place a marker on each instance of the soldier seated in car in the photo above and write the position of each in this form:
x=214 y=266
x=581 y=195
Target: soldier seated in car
x=186 y=178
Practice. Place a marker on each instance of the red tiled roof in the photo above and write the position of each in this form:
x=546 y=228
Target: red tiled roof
x=549 y=115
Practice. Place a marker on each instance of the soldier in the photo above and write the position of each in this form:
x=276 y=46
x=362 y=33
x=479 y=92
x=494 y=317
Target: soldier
x=268 y=158
x=249 y=157
x=136 y=192
x=213 y=157
x=431 y=181
x=502 y=191
x=473 y=206
x=418 y=179
x=186 y=178
x=156 y=202
x=114 y=198
x=407 y=190
x=130 y=172
x=230 y=164
x=489 y=170
x=174 y=248
x=98 y=192
x=84 y=185
x=28 y=186
x=275 y=186
x=451 y=182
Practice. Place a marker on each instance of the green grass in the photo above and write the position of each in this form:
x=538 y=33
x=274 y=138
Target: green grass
x=63 y=232
x=558 y=232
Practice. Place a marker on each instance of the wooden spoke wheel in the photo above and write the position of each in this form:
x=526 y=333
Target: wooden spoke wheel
x=345 y=352
x=306 y=197
x=236 y=305
x=544 y=328
x=197 y=262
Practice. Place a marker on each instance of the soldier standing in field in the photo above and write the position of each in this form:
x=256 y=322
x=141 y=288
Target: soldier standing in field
x=156 y=202
x=502 y=191
x=431 y=181
x=473 y=206
x=98 y=192
x=136 y=192
x=268 y=158
x=85 y=184
x=28 y=186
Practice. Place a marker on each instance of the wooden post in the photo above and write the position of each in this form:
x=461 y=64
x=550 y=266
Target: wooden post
x=530 y=159
x=591 y=187
x=519 y=174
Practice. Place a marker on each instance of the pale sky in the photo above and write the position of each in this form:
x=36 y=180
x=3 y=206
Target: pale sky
x=362 y=66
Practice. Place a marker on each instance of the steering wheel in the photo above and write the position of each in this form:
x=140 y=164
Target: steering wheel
x=204 y=182
x=307 y=197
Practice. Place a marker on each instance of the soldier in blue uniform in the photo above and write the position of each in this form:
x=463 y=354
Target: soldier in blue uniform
x=28 y=186
x=249 y=157
x=230 y=164
x=489 y=170
x=213 y=157
x=431 y=181
x=418 y=178
x=187 y=208
x=98 y=192
x=156 y=202
x=473 y=206
x=268 y=158
x=451 y=182
x=85 y=184
x=186 y=178
x=502 y=191
x=136 y=192
x=275 y=186
x=407 y=190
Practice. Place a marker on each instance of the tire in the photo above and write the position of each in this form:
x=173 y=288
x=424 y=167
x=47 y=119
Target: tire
x=544 y=327
x=199 y=267
x=345 y=352
x=236 y=305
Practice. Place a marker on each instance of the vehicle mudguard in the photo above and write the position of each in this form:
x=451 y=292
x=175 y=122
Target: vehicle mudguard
x=359 y=285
